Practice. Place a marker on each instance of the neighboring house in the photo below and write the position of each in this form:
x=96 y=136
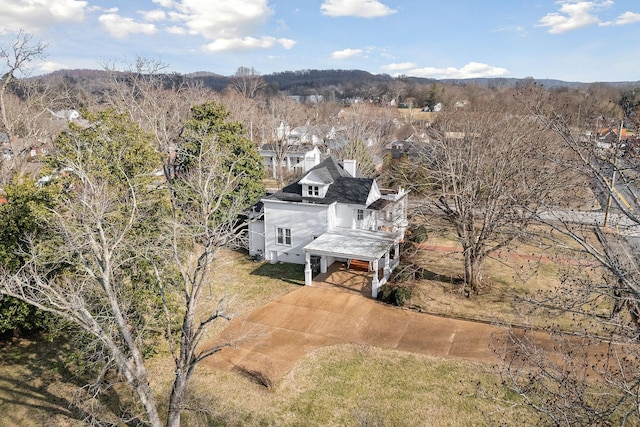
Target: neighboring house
x=38 y=151
x=68 y=115
x=308 y=99
x=291 y=158
x=316 y=135
x=611 y=137
x=331 y=215
x=7 y=153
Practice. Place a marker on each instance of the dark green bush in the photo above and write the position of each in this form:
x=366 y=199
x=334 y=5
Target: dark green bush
x=401 y=296
x=396 y=295
x=384 y=293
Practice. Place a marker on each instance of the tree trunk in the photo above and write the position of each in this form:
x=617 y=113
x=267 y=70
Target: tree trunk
x=177 y=395
x=149 y=403
x=472 y=275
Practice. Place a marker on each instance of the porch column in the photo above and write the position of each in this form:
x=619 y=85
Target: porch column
x=274 y=168
x=308 y=278
x=375 y=282
x=323 y=264
x=387 y=269
x=396 y=247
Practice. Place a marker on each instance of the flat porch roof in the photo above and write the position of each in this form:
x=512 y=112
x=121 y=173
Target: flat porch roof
x=352 y=244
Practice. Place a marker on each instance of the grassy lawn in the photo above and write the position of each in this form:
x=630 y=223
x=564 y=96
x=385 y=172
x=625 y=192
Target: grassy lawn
x=344 y=385
x=517 y=280
x=361 y=386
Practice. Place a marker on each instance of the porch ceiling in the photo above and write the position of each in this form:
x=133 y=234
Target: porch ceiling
x=353 y=244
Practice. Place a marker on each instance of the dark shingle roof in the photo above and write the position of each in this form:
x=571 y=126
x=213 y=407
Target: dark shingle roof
x=344 y=188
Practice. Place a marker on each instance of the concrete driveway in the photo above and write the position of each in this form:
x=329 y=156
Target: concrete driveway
x=277 y=335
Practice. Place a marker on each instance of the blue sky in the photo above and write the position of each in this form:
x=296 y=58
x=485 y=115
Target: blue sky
x=572 y=40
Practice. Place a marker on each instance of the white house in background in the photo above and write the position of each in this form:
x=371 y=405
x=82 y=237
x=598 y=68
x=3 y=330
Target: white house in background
x=331 y=215
x=292 y=158
x=67 y=115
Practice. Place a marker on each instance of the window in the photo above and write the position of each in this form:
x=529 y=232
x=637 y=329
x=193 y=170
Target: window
x=283 y=236
x=313 y=190
x=360 y=214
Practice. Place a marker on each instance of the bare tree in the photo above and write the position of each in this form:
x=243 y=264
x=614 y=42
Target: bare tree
x=16 y=59
x=158 y=100
x=488 y=174
x=112 y=239
x=208 y=195
x=600 y=167
x=23 y=104
x=593 y=377
x=249 y=112
x=370 y=124
x=247 y=82
x=81 y=278
x=398 y=89
x=283 y=115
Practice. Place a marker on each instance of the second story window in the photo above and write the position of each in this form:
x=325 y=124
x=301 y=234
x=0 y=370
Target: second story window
x=313 y=191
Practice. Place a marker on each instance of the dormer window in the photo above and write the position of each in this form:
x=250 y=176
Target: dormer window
x=313 y=191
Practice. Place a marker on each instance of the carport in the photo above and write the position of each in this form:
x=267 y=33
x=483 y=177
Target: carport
x=373 y=247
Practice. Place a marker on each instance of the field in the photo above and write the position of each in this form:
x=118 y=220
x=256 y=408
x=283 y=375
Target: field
x=344 y=385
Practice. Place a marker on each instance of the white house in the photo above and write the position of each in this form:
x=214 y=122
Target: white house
x=331 y=215
x=291 y=158
x=67 y=115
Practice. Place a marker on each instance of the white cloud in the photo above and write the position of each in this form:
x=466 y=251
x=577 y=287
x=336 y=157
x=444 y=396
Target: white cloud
x=399 y=66
x=164 y=3
x=49 y=66
x=287 y=43
x=176 y=30
x=222 y=19
x=358 y=8
x=247 y=43
x=471 y=70
x=154 y=15
x=34 y=16
x=573 y=14
x=628 y=18
x=518 y=29
x=346 y=53
x=121 y=27
x=227 y=25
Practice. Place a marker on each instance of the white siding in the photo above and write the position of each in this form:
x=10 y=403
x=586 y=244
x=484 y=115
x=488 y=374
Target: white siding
x=374 y=193
x=256 y=238
x=345 y=215
x=305 y=221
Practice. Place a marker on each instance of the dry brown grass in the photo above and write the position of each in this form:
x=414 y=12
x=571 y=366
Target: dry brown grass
x=416 y=114
x=514 y=278
x=360 y=385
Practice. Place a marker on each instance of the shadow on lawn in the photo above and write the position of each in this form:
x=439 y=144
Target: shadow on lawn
x=290 y=273
x=34 y=376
